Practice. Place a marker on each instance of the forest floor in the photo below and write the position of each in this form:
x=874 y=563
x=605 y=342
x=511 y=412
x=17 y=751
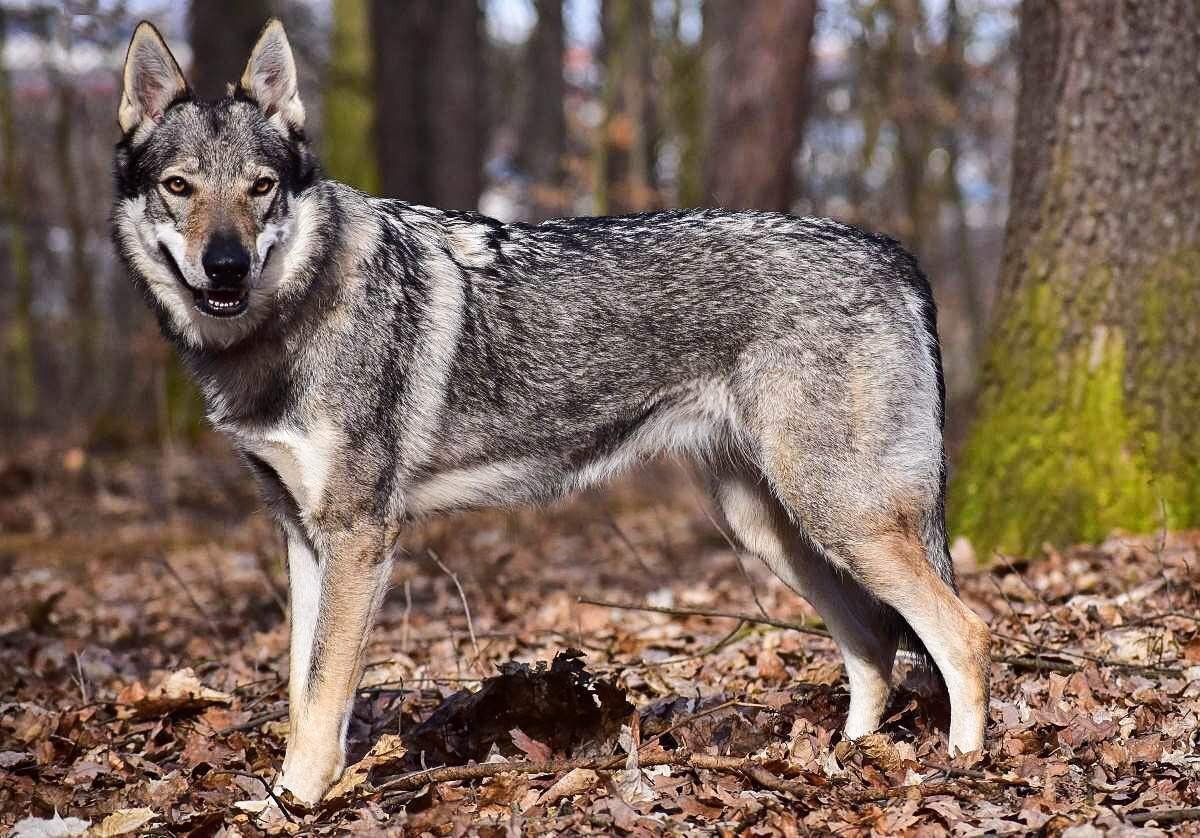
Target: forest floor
x=143 y=676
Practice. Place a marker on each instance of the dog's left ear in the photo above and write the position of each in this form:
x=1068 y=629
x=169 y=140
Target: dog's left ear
x=270 y=76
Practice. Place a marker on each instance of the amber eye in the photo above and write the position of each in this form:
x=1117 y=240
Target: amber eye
x=177 y=185
x=262 y=186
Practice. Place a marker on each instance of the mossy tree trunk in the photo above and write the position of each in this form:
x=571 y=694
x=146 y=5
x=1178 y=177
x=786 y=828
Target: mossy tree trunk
x=348 y=142
x=1088 y=416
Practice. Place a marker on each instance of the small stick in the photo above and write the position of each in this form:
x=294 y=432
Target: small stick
x=479 y=771
x=1164 y=816
x=404 y=624
x=269 y=716
x=1099 y=661
x=270 y=791
x=191 y=597
x=463 y=597
x=705 y=612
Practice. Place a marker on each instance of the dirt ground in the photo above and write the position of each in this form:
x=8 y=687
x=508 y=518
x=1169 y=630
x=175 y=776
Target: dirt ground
x=143 y=676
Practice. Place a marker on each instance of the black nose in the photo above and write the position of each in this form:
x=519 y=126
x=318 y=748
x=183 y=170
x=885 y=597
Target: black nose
x=225 y=261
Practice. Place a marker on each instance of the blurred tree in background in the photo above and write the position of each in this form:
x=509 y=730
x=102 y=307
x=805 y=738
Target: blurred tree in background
x=896 y=115
x=429 y=106
x=18 y=334
x=1092 y=384
x=349 y=101
x=543 y=146
x=221 y=33
x=757 y=75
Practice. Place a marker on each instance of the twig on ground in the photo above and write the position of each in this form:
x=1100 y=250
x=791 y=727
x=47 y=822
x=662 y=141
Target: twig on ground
x=270 y=791
x=715 y=647
x=405 y=624
x=479 y=771
x=706 y=612
x=263 y=718
x=1164 y=816
x=1036 y=663
x=463 y=597
x=212 y=624
x=1096 y=659
x=629 y=545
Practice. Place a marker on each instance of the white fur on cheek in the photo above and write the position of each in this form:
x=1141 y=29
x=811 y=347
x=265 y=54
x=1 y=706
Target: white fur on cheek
x=272 y=235
x=140 y=243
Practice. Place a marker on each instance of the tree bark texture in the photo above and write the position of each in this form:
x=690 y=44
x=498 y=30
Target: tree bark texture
x=757 y=58
x=543 y=132
x=221 y=34
x=429 y=118
x=1088 y=416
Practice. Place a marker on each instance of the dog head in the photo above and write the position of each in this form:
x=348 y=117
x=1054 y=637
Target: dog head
x=210 y=197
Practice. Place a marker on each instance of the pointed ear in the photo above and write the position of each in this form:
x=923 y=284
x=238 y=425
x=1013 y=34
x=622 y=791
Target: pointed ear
x=270 y=76
x=152 y=79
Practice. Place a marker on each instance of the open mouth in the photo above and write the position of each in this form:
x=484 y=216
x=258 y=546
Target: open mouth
x=223 y=302
x=215 y=302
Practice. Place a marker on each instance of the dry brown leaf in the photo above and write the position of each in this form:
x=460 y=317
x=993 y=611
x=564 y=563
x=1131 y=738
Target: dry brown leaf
x=123 y=822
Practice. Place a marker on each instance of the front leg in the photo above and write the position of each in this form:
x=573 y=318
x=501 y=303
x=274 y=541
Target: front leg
x=334 y=600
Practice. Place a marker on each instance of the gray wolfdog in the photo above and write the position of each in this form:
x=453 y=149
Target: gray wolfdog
x=375 y=360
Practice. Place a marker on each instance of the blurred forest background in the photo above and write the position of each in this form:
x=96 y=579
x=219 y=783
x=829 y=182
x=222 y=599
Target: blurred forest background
x=1041 y=157
x=895 y=115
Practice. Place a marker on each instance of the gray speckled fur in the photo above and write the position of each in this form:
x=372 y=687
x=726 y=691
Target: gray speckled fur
x=398 y=360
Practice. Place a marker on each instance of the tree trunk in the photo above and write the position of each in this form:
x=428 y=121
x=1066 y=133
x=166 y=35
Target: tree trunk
x=907 y=101
x=19 y=333
x=757 y=57
x=625 y=180
x=221 y=34
x=428 y=58
x=685 y=108
x=1087 y=419
x=543 y=133
x=952 y=81
x=348 y=143
x=83 y=309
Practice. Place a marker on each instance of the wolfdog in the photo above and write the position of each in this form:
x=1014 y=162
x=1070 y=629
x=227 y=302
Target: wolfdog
x=375 y=361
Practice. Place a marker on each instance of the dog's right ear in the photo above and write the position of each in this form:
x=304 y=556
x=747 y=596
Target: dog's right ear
x=152 y=79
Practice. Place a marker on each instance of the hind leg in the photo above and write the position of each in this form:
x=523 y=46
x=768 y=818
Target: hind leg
x=863 y=629
x=852 y=449
x=892 y=562
x=894 y=549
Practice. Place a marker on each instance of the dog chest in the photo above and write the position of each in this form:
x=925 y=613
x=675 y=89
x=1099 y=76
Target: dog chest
x=301 y=457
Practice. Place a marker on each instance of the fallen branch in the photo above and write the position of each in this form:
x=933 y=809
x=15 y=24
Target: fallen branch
x=269 y=716
x=1164 y=816
x=480 y=771
x=1096 y=659
x=1035 y=663
x=706 y=612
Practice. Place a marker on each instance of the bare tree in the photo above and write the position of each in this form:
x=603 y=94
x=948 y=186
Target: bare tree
x=758 y=56
x=19 y=337
x=625 y=153
x=221 y=33
x=428 y=60
x=1087 y=418
x=349 y=137
x=543 y=132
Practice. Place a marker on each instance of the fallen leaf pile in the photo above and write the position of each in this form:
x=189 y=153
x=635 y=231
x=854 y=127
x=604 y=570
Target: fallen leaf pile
x=143 y=676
